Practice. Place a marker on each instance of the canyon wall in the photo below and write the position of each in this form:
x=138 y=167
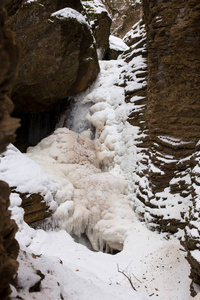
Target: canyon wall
x=8 y=245
x=172 y=111
x=173 y=118
x=124 y=13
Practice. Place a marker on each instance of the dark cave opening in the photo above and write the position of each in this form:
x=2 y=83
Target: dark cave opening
x=36 y=126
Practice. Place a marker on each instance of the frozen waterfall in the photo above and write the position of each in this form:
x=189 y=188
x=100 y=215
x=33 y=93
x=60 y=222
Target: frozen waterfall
x=93 y=175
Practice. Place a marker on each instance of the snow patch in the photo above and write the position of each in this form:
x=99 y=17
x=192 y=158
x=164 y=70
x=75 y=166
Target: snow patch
x=70 y=13
x=117 y=43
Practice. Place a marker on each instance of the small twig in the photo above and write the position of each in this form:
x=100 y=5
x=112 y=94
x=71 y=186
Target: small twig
x=137 y=278
x=128 y=277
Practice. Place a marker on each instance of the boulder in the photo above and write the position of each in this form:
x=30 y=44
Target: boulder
x=57 y=55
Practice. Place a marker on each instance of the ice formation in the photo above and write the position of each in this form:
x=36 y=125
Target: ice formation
x=98 y=204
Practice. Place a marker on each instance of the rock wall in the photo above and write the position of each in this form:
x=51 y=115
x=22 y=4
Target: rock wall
x=172 y=110
x=124 y=14
x=100 y=23
x=173 y=121
x=8 y=245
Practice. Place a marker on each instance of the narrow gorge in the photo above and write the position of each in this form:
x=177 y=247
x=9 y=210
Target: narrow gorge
x=103 y=169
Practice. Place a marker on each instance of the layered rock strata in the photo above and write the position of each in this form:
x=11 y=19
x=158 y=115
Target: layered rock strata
x=192 y=230
x=36 y=210
x=172 y=112
x=173 y=97
x=8 y=245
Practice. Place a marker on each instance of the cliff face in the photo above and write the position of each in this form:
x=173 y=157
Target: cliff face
x=8 y=245
x=124 y=14
x=173 y=114
x=100 y=23
x=173 y=82
x=172 y=110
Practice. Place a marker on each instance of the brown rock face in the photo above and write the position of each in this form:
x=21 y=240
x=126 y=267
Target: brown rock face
x=192 y=230
x=100 y=23
x=57 y=56
x=173 y=43
x=8 y=245
x=59 y=4
x=13 y=5
x=173 y=98
x=8 y=64
x=35 y=208
x=124 y=14
x=173 y=118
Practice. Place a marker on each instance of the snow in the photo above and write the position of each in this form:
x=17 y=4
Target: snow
x=69 y=13
x=30 y=177
x=94 y=6
x=117 y=43
x=136 y=32
x=157 y=257
x=30 y=1
x=156 y=266
x=173 y=140
x=197 y=297
x=154 y=169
